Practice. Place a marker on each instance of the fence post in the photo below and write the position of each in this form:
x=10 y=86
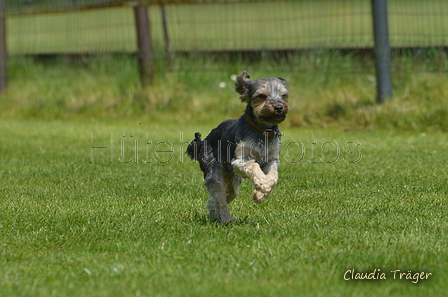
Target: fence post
x=382 y=50
x=165 y=34
x=145 y=53
x=3 y=49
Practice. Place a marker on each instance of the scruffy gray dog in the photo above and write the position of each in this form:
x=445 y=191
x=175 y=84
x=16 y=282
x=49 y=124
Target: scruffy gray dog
x=247 y=147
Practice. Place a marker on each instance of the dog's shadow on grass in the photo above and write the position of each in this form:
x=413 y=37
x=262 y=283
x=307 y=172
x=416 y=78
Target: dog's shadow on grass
x=204 y=220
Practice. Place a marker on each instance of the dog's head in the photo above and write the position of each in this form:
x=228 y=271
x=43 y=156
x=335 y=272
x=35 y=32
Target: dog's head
x=268 y=97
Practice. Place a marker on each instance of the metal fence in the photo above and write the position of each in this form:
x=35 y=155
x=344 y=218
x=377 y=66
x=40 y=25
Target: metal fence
x=46 y=27
x=70 y=26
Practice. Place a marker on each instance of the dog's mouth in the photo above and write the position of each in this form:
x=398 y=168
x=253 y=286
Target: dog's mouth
x=273 y=119
x=272 y=114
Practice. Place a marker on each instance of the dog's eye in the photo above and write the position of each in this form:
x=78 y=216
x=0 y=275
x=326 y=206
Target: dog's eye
x=284 y=96
x=262 y=97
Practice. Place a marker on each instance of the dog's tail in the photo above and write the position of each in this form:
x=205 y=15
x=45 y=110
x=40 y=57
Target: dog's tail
x=194 y=147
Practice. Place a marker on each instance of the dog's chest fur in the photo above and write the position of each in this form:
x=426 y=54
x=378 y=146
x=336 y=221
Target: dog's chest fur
x=237 y=141
x=261 y=150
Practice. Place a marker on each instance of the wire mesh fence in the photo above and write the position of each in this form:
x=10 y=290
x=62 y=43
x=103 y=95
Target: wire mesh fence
x=101 y=26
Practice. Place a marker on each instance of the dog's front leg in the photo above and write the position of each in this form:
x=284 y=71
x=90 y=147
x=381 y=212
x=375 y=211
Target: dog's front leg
x=262 y=182
x=245 y=165
x=271 y=171
x=271 y=180
x=252 y=170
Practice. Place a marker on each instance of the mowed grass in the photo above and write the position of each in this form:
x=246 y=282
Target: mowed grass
x=371 y=193
x=74 y=228
x=231 y=26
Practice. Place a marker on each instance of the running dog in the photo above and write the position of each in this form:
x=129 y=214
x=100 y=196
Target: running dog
x=245 y=147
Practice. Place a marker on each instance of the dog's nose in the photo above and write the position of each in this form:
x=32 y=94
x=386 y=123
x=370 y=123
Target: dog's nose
x=278 y=108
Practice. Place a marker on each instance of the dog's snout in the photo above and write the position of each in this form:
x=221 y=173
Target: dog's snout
x=278 y=108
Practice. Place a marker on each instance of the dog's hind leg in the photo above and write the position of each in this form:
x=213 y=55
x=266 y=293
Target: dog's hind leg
x=217 y=205
x=213 y=213
x=233 y=187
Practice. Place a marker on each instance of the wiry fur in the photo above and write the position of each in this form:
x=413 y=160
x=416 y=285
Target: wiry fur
x=239 y=148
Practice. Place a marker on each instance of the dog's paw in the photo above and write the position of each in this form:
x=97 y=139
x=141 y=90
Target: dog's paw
x=262 y=185
x=214 y=216
x=213 y=213
x=259 y=196
x=265 y=188
x=228 y=221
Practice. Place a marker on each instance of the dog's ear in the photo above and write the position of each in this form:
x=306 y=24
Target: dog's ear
x=242 y=86
x=283 y=80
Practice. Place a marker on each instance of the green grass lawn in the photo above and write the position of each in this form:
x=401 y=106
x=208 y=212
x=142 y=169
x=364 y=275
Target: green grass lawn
x=262 y=25
x=73 y=228
x=133 y=222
